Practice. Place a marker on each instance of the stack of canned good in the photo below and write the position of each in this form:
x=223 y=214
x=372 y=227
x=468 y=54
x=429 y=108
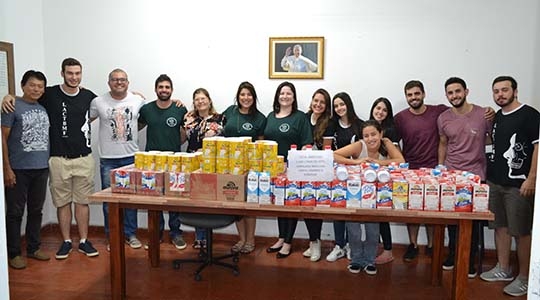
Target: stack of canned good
x=167 y=161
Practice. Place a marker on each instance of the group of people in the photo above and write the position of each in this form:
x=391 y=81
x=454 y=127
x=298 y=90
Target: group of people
x=46 y=134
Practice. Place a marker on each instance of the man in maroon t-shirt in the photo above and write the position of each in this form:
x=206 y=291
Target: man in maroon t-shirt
x=417 y=126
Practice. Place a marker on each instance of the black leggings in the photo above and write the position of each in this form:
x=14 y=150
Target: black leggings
x=287 y=227
x=314 y=227
x=386 y=235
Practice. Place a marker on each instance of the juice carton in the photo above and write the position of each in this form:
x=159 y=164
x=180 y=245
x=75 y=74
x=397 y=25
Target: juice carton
x=323 y=193
x=431 y=195
x=265 y=188
x=448 y=196
x=369 y=195
x=480 y=198
x=252 y=187
x=400 y=194
x=416 y=195
x=463 y=197
x=339 y=194
x=354 y=191
x=384 y=195
x=308 y=194
x=292 y=193
x=280 y=184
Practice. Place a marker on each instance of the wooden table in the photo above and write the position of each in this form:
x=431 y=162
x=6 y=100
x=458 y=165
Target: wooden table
x=155 y=204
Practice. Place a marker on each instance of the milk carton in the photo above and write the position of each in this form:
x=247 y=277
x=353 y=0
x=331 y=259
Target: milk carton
x=400 y=194
x=369 y=195
x=292 y=193
x=339 y=193
x=308 y=194
x=323 y=193
x=265 y=188
x=481 y=198
x=252 y=187
x=354 y=191
x=448 y=196
x=280 y=184
x=463 y=197
x=431 y=195
x=416 y=195
x=384 y=195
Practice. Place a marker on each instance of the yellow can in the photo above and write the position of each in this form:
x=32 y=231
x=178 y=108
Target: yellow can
x=236 y=148
x=222 y=147
x=269 y=150
x=255 y=165
x=174 y=162
x=209 y=146
x=222 y=165
x=139 y=160
x=160 y=160
x=209 y=165
x=148 y=161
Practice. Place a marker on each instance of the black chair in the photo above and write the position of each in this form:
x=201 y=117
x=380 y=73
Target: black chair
x=209 y=222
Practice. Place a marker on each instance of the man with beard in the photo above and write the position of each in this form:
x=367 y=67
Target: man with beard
x=462 y=139
x=118 y=111
x=164 y=122
x=512 y=168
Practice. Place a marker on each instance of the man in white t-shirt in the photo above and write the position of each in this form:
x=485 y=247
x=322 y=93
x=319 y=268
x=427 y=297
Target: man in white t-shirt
x=118 y=111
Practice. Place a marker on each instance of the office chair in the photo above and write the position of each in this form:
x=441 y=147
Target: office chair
x=206 y=256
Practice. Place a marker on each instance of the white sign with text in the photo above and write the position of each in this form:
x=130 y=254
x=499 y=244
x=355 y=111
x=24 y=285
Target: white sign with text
x=309 y=165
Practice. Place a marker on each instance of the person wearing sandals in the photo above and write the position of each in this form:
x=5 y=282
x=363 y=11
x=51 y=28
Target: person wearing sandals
x=287 y=126
x=381 y=111
x=203 y=121
x=244 y=119
x=347 y=130
x=322 y=126
x=372 y=148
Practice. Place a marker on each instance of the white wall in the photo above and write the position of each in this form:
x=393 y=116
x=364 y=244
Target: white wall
x=372 y=48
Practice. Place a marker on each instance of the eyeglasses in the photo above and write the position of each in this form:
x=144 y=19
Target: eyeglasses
x=120 y=80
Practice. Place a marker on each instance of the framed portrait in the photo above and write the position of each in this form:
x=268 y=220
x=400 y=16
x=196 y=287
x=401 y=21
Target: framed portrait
x=7 y=79
x=296 y=57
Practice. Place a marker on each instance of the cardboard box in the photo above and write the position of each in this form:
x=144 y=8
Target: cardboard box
x=481 y=198
x=217 y=187
x=177 y=184
x=149 y=183
x=124 y=180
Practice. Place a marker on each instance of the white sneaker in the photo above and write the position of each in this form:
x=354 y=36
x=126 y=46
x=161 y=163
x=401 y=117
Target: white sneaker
x=307 y=253
x=336 y=254
x=315 y=248
x=347 y=249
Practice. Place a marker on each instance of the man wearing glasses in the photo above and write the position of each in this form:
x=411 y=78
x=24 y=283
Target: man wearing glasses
x=118 y=111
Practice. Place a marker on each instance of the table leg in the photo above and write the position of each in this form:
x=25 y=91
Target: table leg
x=461 y=264
x=153 y=233
x=436 y=259
x=117 y=254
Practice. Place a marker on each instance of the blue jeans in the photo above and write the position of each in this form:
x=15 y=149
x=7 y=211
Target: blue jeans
x=363 y=252
x=130 y=214
x=200 y=233
x=174 y=224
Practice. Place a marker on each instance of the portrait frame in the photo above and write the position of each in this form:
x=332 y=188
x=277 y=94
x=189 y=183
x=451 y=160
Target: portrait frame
x=7 y=72
x=308 y=65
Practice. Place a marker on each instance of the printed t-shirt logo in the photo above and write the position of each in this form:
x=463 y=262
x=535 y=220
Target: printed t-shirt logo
x=247 y=126
x=284 y=127
x=171 y=122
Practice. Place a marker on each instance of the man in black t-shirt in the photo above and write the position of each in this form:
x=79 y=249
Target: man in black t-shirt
x=511 y=177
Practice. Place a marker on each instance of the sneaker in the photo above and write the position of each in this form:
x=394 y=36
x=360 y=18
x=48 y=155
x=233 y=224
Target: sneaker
x=133 y=242
x=336 y=254
x=370 y=269
x=411 y=253
x=64 y=250
x=497 y=274
x=198 y=244
x=384 y=258
x=315 y=250
x=307 y=253
x=17 y=262
x=517 y=288
x=88 y=249
x=448 y=263
x=354 y=268
x=39 y=255
x=179 y=242
x=347 y=249
x=472 y=271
